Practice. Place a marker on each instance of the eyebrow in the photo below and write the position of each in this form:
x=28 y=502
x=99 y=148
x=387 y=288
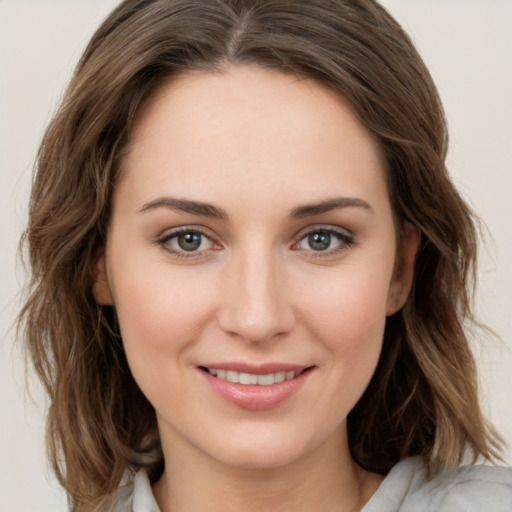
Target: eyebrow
x=209 y=210
x=309 y=210
x=186 y=206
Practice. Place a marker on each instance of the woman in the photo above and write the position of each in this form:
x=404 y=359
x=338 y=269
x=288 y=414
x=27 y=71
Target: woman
x=251 y=270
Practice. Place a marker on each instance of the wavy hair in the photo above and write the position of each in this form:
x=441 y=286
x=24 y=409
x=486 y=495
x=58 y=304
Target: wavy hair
x=422 y=399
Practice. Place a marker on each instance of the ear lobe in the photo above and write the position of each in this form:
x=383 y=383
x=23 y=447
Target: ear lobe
x=404 y=270
x=100 y=287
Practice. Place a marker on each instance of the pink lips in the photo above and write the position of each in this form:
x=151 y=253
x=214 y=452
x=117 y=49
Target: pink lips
x=257 y=397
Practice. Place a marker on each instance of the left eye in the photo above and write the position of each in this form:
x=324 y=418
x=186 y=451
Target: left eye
x=188 y=241
x=323 y=240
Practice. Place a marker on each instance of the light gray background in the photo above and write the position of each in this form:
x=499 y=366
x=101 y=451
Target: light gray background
x=467 y=45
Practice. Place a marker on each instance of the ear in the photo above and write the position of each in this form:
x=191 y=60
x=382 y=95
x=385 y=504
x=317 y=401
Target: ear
x=100 y=287
x=403 y=273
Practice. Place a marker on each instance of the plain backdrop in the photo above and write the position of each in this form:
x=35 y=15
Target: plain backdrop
x=467 y=45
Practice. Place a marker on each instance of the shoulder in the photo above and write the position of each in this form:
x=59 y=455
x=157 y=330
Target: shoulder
x=136 y=496
x=462 y=489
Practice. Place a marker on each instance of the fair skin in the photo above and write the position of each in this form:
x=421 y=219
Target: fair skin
x=252 y=232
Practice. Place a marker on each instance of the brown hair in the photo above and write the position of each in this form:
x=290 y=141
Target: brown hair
x=422 y=399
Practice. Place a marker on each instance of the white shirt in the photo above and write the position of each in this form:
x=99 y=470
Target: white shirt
x=405 y=489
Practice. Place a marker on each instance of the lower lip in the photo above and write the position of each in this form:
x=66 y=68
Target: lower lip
x=256 y=398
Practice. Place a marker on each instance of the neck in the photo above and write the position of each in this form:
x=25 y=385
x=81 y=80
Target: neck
x=326 y=479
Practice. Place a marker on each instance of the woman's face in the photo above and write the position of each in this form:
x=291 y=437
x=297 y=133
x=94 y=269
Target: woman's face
x=252 y=260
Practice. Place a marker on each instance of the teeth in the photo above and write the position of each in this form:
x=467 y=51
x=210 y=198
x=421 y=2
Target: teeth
x=251 y=379
x=266 y=380
x=247 y=378
x=232 y=376
x=279 y=377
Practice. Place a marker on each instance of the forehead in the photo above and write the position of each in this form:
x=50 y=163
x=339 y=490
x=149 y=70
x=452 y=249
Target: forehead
x=250 y=126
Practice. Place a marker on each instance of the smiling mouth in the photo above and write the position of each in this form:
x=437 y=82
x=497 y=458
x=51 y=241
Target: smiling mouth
x=251 y=379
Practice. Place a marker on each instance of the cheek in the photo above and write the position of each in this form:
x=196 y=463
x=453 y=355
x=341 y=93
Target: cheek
x=351 y=309
x=348 y=319
x=160 y=312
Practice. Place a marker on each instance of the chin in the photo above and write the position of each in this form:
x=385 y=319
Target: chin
x=262 y=458
x=265 y=449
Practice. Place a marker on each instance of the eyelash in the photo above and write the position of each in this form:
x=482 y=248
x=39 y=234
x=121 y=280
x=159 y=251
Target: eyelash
x=345 y=242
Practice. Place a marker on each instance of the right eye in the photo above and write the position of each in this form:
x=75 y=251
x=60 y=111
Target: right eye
x=186 y=242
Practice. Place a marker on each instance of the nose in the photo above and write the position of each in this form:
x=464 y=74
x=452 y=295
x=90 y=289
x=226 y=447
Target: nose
x=255 y=305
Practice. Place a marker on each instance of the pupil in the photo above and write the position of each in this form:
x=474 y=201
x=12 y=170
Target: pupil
x=319 y=241
x=189 y=241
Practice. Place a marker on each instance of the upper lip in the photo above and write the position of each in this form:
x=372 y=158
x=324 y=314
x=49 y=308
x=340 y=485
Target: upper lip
x=256 y=369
